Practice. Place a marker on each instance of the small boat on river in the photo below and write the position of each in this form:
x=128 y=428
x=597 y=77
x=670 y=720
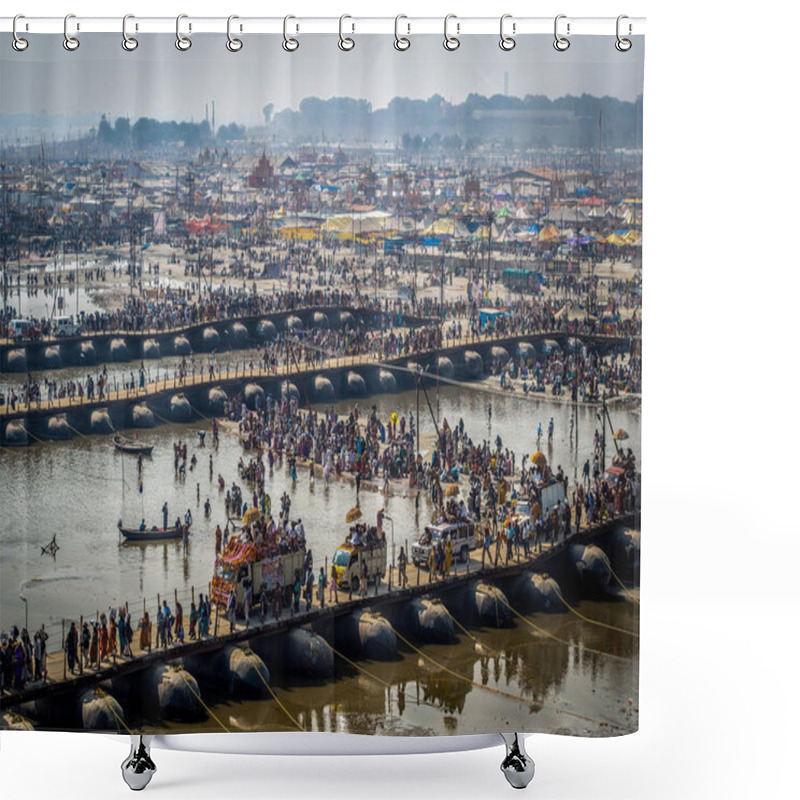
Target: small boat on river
x=130 y=446
x=152 y=534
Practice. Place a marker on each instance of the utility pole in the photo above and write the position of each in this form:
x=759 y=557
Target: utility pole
x=416 y=382
x=6 y=225
x=490 y=218
x=605 y=412
x=131 y=234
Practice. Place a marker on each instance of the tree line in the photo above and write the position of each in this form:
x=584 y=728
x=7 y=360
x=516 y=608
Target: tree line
x=415 y=125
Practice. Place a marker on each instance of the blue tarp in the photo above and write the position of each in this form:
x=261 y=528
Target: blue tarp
x=489 y=315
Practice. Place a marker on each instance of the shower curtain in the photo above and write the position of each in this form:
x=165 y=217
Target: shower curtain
x=321 y=380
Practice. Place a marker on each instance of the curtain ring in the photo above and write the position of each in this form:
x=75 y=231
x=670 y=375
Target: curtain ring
x=561 y=43
x=129 y=43
x=182 y=42
x=346 y=43
x=18 y=43
x=289 y=44
x=623 y=45
x=233 y=44
x=401 y=43
x=71 y=43
x=451 y=42
x=507 y=42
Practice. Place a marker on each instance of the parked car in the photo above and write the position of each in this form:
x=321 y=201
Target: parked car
x=23 y=329
x=64 y=326
x=462 y=539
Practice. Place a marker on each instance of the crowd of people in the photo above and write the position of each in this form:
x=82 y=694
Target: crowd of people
x=22 y=659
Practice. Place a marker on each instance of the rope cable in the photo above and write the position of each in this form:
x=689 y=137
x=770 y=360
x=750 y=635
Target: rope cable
x=624 y=587
x=559 y=639
x=594 y=621
x=202 y=703
x=492 y=689
x=281 y=705
x=100 y=693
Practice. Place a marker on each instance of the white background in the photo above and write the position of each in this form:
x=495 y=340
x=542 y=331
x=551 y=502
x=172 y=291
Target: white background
x=719 y=697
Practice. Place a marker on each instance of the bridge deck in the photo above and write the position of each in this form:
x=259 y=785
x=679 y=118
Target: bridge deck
x=227 y=376
x=420 y=582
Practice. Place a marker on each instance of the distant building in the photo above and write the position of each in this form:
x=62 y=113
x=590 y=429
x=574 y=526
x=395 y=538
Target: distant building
x=472 y=188
x=262 y=176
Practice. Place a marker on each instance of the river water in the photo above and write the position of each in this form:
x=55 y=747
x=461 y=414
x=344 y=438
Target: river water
x=78 y=490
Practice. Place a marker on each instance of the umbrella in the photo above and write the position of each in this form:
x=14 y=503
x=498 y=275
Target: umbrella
x=451 y=490
x=620 y=434
x=539 y=458
x=353 y=514
x=251 y=515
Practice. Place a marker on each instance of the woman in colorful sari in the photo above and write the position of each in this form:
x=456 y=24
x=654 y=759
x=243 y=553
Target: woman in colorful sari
x=112 y=634
x=144 y=636
x=121 y=632
x=192 y=621
x=103 y=638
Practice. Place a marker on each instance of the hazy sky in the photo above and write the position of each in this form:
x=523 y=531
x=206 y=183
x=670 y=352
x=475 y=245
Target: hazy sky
x=158 y=81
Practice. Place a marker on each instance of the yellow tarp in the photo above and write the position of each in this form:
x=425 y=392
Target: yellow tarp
x=548 y=234
x=298 y=233
x=440 y=227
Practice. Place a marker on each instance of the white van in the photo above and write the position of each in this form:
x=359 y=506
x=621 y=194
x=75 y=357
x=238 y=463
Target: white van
x=23 y=329
x=462 y=538
x=64 y=326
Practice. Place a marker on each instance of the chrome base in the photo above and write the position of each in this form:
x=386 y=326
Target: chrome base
x=517 y=766
x=138 y=768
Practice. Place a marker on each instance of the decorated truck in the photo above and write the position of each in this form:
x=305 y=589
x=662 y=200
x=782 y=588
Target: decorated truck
x=277 y=570
x=245 y=561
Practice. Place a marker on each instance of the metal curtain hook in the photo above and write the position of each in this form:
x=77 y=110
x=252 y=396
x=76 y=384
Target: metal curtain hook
x=507 y=42
x=345 y=42
x=451 y=42
x=289 y=43
x=233 y=44
x=401 y=42
x=182 y=42
x=70 y=42
x=18 y=43
x=129 y=43
x=623 y=45
x=561 y=43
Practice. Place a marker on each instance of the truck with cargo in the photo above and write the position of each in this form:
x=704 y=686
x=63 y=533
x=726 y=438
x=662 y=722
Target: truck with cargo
x=349 y=559
x=277 y=570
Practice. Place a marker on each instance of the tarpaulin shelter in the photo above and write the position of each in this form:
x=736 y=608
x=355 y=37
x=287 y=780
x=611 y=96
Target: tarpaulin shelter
x=548 y=234
x=488 y=316
x=445 y=227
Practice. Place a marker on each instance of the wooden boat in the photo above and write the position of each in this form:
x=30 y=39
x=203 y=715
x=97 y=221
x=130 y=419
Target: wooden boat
x=151 y=535
x=129 y=446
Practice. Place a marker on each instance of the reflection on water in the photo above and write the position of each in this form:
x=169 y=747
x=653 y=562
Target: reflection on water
x=459 y=688
x=45 y=302
x=79 y=489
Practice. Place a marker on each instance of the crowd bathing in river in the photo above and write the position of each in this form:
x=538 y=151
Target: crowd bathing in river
x=373 y=453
